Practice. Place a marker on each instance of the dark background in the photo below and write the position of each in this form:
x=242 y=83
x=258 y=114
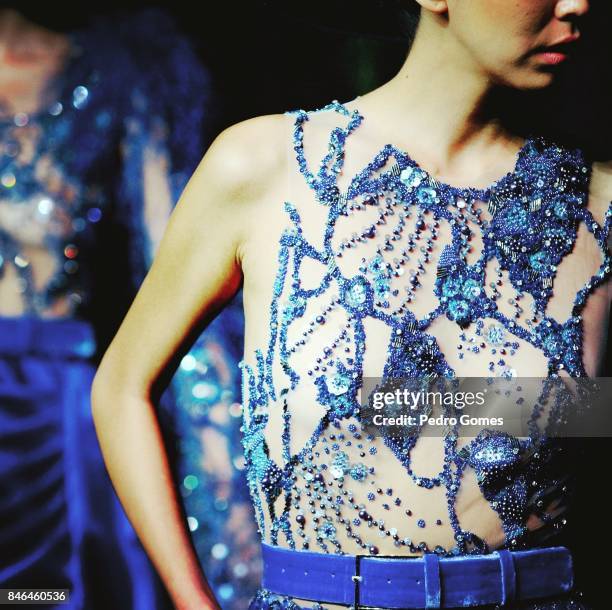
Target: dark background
x=271 y=56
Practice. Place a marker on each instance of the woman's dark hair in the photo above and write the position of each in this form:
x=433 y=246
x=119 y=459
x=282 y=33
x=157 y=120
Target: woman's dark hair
x=392 y=21
x=409 y=15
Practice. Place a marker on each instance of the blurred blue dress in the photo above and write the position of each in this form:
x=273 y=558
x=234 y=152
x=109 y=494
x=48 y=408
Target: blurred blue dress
x=204 y=402
x=86 y=184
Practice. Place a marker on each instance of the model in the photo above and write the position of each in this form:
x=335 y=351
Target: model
x=406 y=233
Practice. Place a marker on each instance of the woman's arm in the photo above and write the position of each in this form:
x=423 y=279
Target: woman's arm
x=196 y=270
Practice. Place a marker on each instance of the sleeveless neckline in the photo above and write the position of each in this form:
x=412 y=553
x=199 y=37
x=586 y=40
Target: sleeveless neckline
x=530 y=142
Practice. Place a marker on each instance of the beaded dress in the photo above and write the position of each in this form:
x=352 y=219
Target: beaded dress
x=86 y=185
x=403 y=275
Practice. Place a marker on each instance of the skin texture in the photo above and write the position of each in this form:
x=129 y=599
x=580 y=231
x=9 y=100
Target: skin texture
x=224 y=233
x=499 y=37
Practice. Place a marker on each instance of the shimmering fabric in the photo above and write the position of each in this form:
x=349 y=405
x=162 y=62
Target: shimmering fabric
x=400 y=268
x=100 y=164
x=62 y=525
x=105 y=120
x=210 y=465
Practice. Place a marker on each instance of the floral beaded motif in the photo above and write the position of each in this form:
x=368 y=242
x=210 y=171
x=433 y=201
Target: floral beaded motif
x=535 y=212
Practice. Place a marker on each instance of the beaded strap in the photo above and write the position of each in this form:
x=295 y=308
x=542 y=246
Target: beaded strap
x=324 y=183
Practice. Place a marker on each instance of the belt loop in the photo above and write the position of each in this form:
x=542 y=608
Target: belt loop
x=356 y=579
x=508 y=576
x=432 y=580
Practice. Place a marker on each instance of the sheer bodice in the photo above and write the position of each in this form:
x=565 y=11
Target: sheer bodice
x=381 y=270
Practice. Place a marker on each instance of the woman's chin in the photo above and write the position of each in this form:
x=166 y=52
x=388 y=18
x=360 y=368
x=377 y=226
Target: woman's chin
x=537 y=79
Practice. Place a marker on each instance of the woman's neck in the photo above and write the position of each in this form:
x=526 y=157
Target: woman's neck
x=440 y=98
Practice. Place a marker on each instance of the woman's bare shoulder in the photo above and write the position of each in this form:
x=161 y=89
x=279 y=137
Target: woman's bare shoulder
x=250 y=157
x=603 y=170
x=247 y=164
x=243 y=170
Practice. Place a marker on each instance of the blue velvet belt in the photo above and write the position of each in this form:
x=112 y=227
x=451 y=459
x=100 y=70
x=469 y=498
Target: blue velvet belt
x=429 y=581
